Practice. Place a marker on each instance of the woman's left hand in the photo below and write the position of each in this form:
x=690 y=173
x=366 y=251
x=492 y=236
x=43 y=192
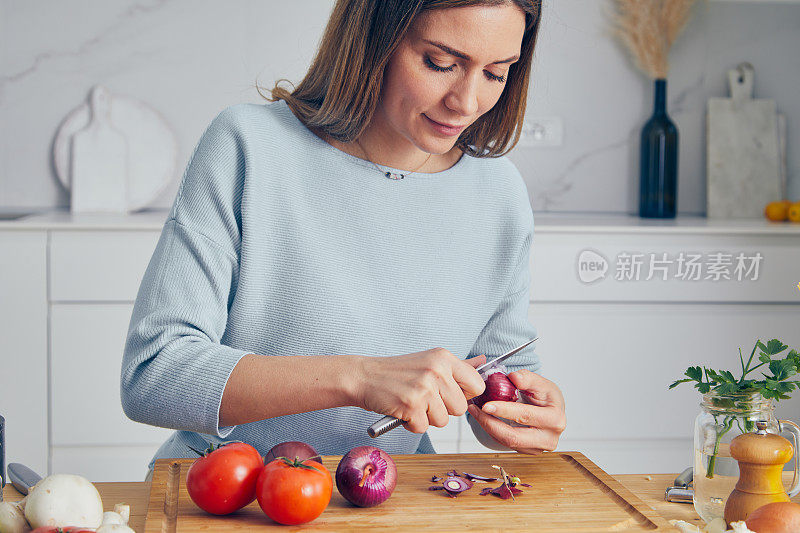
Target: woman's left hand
x=541 y=415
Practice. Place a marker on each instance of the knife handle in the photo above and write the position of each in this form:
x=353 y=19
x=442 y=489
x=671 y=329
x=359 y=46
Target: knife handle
x=22 y=477
x=685 y=478
x=383 y=425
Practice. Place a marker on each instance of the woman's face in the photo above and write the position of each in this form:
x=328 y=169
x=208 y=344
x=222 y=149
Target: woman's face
x=450 y=69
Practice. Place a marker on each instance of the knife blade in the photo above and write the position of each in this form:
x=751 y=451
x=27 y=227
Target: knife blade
x=494 y=362
x=22 y=477
x=388 y=423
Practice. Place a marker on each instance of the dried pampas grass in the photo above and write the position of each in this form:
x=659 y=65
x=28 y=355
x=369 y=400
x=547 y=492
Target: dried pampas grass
x=648 y=28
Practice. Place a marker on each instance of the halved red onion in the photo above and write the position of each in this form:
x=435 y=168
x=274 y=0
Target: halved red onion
x=366 y=476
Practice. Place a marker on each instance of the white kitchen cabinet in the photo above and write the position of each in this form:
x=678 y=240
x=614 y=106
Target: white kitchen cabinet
x=94 y=278
x=23 y=346
x=103 y=463
x=101 y=443
x=647 y=264
x=612 y=345
x=99 y=265
x=68 y=286
x=614 y=363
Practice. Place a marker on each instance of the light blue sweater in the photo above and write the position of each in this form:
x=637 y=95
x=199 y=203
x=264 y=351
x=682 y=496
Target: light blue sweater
x=280 y=244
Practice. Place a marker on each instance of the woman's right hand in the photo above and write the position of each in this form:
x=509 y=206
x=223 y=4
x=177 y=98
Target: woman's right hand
x=422 y=388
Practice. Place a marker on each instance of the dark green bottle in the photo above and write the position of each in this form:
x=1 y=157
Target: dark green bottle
x=2 y=453
x=658 y=174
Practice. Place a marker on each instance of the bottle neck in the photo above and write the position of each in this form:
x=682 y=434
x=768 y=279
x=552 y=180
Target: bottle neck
x=660 y=99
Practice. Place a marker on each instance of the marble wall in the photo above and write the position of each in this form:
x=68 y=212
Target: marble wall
x=190 y=58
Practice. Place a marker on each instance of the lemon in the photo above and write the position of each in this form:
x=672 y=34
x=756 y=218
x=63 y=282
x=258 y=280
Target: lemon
x=777 y=211
x=794 y=212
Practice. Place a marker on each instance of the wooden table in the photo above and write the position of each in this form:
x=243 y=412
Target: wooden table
x=648 y=487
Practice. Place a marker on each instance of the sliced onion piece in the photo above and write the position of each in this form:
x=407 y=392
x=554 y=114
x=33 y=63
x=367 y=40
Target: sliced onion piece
x=479 y=479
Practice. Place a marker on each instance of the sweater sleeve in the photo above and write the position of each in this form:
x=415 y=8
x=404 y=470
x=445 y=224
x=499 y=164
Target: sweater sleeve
x=509 y=326
x=175 y=367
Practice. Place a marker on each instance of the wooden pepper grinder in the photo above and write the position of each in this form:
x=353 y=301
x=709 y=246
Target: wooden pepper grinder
x=761 y=457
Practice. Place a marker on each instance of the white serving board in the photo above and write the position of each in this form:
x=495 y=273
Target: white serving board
x=99 y=162
x=152 y=148
x=744 y=172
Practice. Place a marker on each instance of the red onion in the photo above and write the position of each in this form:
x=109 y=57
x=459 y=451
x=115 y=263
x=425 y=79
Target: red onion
x=455 y=485
x=366 y=476
x=292 y=449
x=498 y=387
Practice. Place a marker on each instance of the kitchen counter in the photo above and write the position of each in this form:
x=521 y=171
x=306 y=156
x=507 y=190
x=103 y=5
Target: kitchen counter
x=153 y=219
x=648 y=487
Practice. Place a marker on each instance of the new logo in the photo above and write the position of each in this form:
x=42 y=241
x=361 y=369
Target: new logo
x=592 y=266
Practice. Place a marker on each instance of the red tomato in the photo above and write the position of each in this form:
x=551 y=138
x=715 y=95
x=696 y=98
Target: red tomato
x=224 y=480
x=294 y=493
x=56 y=529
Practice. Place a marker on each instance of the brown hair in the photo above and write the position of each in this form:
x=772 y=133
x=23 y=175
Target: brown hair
x=340 y=91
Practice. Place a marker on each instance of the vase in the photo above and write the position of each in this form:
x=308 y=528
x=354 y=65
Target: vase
x=658 y=174
x=722 y=418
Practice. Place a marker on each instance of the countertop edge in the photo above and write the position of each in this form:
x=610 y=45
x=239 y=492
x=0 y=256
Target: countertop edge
x=544 y=223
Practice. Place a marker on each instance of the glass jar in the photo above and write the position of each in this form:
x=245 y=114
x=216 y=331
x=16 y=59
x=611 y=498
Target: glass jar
x=722 y=418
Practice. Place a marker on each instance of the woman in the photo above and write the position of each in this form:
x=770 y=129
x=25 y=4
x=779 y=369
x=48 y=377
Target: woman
x=352 y=249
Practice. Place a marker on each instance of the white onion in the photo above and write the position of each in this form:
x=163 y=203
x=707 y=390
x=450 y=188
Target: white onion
x=64 y=500
x=12 y=518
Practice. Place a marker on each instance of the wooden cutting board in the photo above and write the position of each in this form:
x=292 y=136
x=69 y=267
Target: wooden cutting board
x=744 y=154
x=569 y=493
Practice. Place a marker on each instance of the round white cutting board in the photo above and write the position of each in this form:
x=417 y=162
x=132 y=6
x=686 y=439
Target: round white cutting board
x=152 y=147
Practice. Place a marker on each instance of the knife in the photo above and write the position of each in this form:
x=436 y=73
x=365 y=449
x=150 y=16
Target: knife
x=22 y=477
x=497 y=360
x=388 y=423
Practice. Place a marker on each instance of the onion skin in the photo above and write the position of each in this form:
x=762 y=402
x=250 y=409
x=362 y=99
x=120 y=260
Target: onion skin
x=473 y=477
x=366 y=476
x=503 y=491
x=776 y=517
x=498 y=388
x=292 y=449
